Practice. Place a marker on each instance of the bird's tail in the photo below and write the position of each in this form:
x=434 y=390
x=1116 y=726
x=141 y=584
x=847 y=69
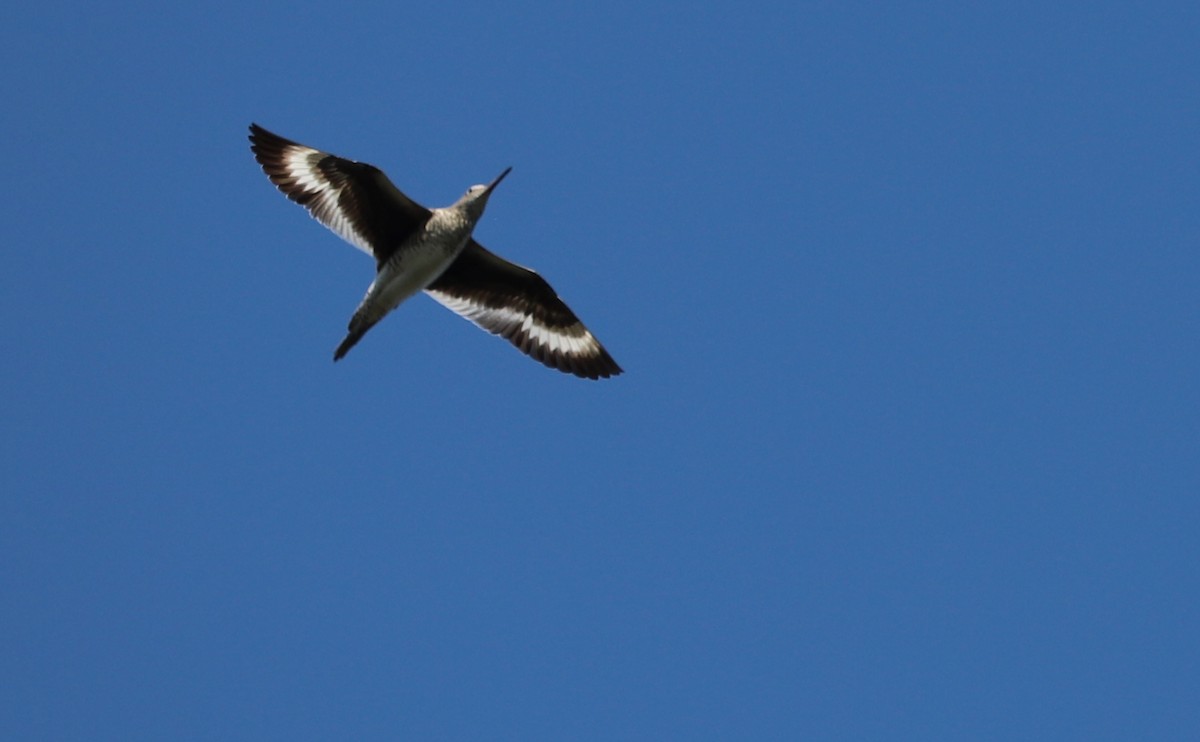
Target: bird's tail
x=346 y=345
x=358 y=327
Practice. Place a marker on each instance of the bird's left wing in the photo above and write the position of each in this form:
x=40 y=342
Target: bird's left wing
x=517 y=304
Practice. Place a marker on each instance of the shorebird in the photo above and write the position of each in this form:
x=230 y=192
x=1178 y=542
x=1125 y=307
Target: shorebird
x=430 y=250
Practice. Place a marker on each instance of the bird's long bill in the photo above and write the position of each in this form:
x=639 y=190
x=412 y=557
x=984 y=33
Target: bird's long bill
x=488 y=191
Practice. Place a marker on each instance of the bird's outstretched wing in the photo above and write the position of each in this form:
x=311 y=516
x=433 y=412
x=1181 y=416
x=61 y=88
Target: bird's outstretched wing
x=518 y=305
x=354 y=199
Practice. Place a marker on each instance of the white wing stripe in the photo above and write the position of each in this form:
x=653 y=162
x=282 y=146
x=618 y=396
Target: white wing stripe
x=301 y=166
x=572 y=341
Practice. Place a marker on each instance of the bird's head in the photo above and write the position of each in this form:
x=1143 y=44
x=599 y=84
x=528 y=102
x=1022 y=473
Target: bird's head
x=476 y=197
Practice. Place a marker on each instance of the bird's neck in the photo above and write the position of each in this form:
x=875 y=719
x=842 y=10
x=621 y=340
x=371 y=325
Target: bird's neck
x=449 y=223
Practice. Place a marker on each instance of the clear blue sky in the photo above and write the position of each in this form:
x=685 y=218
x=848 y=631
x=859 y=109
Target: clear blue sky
x=907 y=446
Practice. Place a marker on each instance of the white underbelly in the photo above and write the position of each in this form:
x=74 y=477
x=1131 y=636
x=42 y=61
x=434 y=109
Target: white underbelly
x=420 y=266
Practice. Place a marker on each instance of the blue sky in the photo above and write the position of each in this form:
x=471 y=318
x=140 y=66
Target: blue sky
x=906 y=447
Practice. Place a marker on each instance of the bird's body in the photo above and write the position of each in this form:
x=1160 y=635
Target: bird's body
x=415 y=264
x=432 y=250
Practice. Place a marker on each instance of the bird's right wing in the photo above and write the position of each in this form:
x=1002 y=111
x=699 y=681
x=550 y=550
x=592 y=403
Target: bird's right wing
x=354 y=199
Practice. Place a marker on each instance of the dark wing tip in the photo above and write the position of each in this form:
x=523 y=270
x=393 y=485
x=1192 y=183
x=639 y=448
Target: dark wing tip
x=258 y=133
x=605 y=367
x=595 y=367
x=267 y=145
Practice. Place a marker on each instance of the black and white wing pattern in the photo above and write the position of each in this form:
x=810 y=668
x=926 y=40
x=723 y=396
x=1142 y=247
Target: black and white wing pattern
x=354 y=199
x=518 y=305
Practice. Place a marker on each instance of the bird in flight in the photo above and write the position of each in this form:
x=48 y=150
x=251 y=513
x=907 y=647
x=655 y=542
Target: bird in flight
x=430 y=250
